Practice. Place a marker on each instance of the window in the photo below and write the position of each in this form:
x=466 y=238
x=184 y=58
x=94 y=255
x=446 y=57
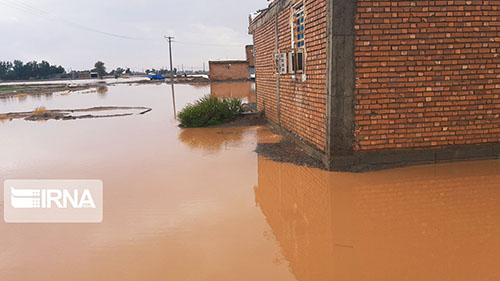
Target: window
x=299 y=65
x=298 y=26
x=297 y=56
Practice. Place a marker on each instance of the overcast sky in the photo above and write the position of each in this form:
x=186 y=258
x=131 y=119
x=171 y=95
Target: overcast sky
x=67 y=32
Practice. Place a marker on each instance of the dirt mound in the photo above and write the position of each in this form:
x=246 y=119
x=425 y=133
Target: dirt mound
x=42 y=114
x=288 y=152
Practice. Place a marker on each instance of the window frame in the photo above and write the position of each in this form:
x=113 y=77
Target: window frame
x=298 y=25
x=298 y=28
x=300 y=62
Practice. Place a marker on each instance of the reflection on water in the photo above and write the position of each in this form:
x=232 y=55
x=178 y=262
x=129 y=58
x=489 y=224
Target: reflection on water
x=76 y=82
x=243 y=90
x=437 y=222
x=211 y=140
x=173 y=100
x=102 y=90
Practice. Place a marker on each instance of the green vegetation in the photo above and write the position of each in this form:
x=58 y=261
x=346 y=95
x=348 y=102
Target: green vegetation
x=18 y=70
x=209 y=111
x=100 y=69
x=7 y=89
x=40 y=111
x=11 y=89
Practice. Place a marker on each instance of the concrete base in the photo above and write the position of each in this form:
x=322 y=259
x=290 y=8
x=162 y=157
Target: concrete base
x=388 y=159
x=379 y=160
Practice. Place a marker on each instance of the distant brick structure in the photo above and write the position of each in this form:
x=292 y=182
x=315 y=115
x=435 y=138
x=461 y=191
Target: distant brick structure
x=250 y=55
x=372 y=83
x=229 y=70
x=251 y=59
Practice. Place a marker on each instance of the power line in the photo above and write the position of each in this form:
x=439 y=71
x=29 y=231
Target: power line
x=51 y=17
x=208 y=45
x=48 y=16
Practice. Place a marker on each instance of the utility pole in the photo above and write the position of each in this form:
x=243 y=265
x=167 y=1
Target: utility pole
x=170 y=38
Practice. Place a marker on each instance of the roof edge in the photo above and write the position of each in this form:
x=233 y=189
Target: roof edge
x=274 y=9
x=227 y=61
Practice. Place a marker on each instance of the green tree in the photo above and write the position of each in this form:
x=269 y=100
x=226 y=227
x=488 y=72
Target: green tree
x=18 y=70
x=4 y=69
x=44 y=69
x=119 y=71
x=100 y=69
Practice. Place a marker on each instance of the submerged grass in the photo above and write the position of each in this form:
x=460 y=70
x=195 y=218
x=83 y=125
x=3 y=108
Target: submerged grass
x=209 y=111
x=40 y=111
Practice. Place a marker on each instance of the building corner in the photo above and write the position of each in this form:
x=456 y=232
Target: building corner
x=340 y=80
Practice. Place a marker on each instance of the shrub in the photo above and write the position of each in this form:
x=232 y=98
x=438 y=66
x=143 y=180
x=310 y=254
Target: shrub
x=40 y=111
x=209 y=111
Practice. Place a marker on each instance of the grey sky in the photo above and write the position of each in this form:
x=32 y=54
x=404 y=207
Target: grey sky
x=55 y=30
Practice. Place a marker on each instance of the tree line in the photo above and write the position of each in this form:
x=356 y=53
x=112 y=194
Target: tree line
x=18 y=70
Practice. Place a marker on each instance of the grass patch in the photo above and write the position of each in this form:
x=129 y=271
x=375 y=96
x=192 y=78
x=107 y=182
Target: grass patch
x=40 y=111
x=4 y=118
x=10 y=89
x=20 y=96
x=209 y=111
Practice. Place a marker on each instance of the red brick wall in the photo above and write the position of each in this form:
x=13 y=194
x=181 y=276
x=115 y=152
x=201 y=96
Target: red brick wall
x=427 y=73
x=264 y=46
x=229 y=71
x=303 y=104
x=250 y=56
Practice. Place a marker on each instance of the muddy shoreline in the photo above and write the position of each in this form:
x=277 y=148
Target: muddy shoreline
x=287 y=151
x=66 y=114
x=21 y=89
x=178 y=80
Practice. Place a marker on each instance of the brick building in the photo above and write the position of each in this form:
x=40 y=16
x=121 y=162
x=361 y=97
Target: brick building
x=250 y=58
x=228 y=70
x=365 y=84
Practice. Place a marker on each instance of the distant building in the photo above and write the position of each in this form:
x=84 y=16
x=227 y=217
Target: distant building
x=251 y=59
x=229 y=70
x=80 y=75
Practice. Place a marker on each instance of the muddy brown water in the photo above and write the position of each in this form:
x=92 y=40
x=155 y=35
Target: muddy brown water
x=199 y=204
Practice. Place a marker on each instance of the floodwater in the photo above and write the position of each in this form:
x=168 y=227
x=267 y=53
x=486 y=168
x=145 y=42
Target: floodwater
x=75 y=82
x=239 y=89
x=199 y=204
